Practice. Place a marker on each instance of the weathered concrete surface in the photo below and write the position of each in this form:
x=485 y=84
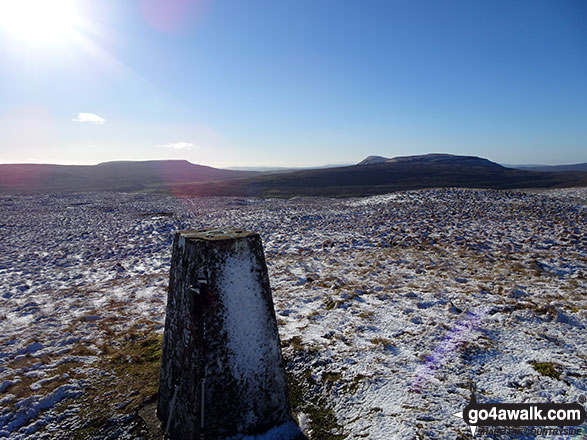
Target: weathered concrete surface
x=233 y=341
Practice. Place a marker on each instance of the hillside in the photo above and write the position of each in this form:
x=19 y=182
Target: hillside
x=111 y=176
x=402 y=173
x=445 y=159
x=374 y=175
x=432 y=158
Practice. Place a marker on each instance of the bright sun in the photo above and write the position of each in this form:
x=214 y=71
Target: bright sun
x=39 y=22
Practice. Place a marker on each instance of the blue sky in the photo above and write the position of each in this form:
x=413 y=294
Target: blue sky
x=292 y=83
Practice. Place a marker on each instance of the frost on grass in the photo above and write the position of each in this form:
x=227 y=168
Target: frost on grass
x=390 y=308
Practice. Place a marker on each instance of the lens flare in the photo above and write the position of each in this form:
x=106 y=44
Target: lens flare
x=462 y=332
x=171 y=15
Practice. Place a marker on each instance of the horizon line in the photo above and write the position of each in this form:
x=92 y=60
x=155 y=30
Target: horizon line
x=281 y=166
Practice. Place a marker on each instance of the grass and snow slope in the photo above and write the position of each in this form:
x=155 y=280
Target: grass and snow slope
x=390 y=308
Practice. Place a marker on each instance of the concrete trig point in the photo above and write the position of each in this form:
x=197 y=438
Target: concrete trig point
x=221 y=370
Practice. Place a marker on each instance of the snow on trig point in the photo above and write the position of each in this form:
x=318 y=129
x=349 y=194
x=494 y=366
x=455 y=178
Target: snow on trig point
x=221 y=370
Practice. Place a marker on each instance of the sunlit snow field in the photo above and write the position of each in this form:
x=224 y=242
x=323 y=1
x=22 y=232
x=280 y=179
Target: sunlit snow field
x=395 y=307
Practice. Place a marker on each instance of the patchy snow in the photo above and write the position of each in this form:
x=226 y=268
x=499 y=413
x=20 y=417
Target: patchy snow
x=395 y=306
x=28 y=410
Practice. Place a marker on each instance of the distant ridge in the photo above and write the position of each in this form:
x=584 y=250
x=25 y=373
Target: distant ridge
x=373 y=159
x=374 y=175
x=379 y=175
x=446 y=159
x=551 y=168
x=267 y=169
x=110 y=176
x=432 y=158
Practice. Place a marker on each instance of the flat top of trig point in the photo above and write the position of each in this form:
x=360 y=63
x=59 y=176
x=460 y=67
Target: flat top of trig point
x=216 y=234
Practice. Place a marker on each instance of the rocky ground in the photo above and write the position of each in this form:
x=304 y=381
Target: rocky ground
x=391 y=308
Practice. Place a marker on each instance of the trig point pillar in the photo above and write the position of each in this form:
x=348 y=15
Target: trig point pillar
x=221 y=369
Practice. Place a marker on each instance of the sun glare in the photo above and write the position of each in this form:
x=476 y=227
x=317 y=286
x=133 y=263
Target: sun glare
x=39 y=22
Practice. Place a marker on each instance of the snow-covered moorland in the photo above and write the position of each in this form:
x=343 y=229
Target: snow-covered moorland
x=391 y=308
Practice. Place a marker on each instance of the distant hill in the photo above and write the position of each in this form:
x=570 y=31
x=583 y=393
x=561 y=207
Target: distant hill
x=373 y=159
x=432 y=158
x=377 y=176
x=401 y=173
x=284 y=169
x=551 y=168
x=110 y=176
x=446 y=159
